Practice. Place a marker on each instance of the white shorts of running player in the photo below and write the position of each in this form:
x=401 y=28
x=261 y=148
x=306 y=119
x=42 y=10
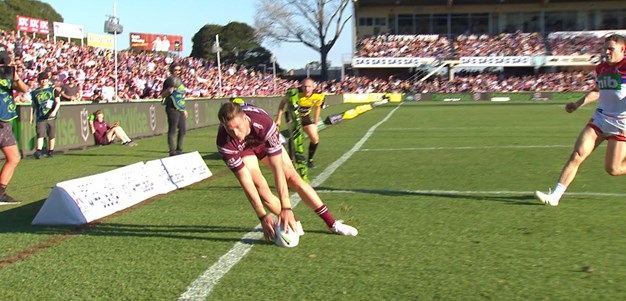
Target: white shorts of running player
x=609 y=127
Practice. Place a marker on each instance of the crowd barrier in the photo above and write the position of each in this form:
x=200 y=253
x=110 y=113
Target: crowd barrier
x=147 y=118
x=140 y=119
x=477 y=96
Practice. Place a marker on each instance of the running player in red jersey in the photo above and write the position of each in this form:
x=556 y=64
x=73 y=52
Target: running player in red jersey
x=607 y=123
x=247 y=134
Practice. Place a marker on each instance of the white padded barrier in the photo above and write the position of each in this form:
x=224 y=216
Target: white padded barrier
x=82 y=200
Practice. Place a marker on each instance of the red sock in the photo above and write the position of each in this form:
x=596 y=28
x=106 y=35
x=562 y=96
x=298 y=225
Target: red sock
x=324 y=214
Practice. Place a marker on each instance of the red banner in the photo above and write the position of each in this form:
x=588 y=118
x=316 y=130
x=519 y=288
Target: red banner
x=155 y=42
x=28 y=24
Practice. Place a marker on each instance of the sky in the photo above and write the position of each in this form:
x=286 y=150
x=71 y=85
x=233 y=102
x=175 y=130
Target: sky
x=185 y=18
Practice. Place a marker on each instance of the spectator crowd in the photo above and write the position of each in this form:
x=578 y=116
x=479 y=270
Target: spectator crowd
x=86 y=73
x=504 y=44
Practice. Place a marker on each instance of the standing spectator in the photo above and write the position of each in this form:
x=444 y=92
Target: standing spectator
x=71 y=91
x=108 y=90
x=45 y=104
x=9 y=82
x=173 y=95
x=97 y=96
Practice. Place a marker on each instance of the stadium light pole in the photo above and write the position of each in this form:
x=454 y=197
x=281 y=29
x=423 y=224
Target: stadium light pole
x=115 y=47
x=273 y=60
x=264 y=69
x=216 y=49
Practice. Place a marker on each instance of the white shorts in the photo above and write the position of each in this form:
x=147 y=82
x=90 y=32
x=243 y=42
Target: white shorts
x=609 y=127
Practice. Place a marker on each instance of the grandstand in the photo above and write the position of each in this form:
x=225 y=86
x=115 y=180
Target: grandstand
x=414 y=38
x=399 y=45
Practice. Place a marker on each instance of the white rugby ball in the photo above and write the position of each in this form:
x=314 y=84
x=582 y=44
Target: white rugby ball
x=287 y=239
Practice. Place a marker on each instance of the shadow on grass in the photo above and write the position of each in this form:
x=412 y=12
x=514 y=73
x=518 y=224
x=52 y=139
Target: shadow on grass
x=96 y=155
x=511 y=199
x=196 y=232
x=212 y=156
x=18 y=220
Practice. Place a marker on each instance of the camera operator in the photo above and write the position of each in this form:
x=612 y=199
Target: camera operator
x=9 y=82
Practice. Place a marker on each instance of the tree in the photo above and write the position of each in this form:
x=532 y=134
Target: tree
x=28 y=8
x=238 y=41
x=203 y=41
x=314 y=23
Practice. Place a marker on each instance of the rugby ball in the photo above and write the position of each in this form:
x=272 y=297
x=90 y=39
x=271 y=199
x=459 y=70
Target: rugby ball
x=285 y=237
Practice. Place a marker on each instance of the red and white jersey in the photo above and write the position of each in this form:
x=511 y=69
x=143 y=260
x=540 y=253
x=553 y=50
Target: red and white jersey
x=263 y=139
x=611 y=82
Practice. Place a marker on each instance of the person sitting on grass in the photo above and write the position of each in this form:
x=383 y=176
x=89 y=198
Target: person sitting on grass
x=105 y=134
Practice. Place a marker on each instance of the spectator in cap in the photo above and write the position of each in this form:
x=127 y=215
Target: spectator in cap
x=10 y=82
x=45 y=105
x=71 y=91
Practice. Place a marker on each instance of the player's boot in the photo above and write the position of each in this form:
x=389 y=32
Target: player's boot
x=310 y=164
x=6 y=199
x=547 y=198
x=342 y=229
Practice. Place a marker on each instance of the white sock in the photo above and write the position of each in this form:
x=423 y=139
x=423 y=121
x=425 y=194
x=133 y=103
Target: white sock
x=558 y=191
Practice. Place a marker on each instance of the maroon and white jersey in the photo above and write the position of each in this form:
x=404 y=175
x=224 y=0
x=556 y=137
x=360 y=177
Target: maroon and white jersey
x=263 y=139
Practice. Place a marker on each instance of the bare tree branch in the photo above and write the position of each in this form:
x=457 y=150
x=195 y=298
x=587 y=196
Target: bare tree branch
x=308 y=22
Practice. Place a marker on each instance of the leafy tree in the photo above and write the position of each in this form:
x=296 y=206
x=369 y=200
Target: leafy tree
x=238 y=43
x=203 y=41
x=28 y=8
x=314 y=23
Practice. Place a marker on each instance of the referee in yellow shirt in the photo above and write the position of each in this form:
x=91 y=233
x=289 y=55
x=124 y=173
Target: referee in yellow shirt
x=310 y=109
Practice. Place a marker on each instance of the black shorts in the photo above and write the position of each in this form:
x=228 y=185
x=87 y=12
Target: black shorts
x=6 y=134
x=46 y=128
x=306 y=120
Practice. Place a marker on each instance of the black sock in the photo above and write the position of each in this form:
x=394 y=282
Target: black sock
x=3 y=189
x=312 y=149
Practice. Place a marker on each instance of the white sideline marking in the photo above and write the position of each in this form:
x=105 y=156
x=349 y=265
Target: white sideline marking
x=463 y=147
x=461 y=192
x=200 y=288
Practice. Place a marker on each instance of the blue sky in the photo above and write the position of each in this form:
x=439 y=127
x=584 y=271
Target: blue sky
x=185 y=18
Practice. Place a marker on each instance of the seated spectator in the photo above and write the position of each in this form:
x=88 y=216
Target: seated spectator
x=504 y=44
x=566 y=43
x=105 y=134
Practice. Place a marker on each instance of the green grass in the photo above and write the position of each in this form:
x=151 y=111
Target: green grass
x=445 y=213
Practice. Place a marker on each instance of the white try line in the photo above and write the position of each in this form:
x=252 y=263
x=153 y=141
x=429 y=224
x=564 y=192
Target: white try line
x=466 y=192
x=472 y=128
x=463 y=147
x=200 y=288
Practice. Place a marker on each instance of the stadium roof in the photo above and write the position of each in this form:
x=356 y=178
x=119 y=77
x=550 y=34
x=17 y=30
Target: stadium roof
x=363 y=3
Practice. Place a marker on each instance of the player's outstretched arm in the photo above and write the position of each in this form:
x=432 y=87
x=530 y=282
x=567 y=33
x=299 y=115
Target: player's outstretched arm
x=587 y=99
x=245 y=179
x=286 y=217
x=281 y=110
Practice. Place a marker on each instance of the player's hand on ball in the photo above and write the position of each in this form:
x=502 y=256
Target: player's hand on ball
x=286 y=219
x=267 y=222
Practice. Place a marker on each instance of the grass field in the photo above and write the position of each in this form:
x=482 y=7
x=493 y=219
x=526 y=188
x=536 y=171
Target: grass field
x=440 y=192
